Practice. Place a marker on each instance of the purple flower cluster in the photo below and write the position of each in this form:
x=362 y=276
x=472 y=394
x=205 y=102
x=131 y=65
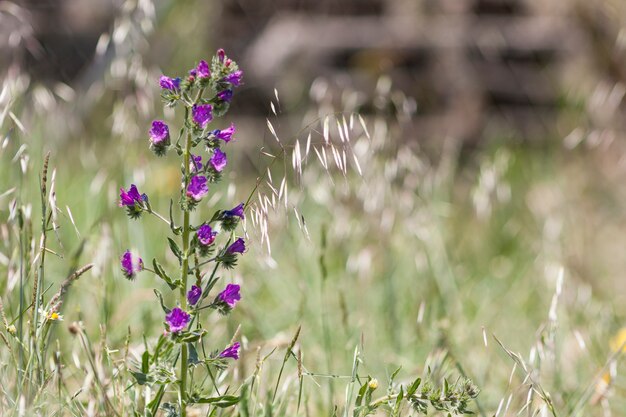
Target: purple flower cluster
x=203 y=70
x=131 y=197
x=194 y=294
x=218 y=161
x=231 y=351
x=204 y=93
x=225 y=95
x=196 y=163
x=177 y=319
x=197 y=187
x=159 y=137
x=234 y=78
x=168 y=83
x=235 y=212
x=226 y=134
x=206 y=235
x=131 y=265
x=202 y=114
x=226 y=300
x=159 y=133
x=230 y=218
x=238 y=246
x=230 y=295
x=133 y=201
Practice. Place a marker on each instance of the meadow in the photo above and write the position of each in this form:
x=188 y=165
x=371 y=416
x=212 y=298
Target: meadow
x=369 y=262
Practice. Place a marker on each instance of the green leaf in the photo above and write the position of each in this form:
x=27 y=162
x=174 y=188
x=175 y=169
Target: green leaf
x=140 y=377
x=414 y=386
x=193 y=355
x=158 y=269
x=145 y=362
x=399 y=399
x=190 y=337
x=175 y=230
x=393 y=376
x=151 y=407
x=175 y=249
x=221 y=402
x=364 y=410
x=216 y=216
x=359 y=398
x=160 y=297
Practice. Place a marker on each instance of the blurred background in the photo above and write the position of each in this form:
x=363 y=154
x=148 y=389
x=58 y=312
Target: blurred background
x=491 y=160
x=473 y=69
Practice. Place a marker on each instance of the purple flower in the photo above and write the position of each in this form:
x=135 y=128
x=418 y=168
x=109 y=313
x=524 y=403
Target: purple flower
x=225 y=95
x=177 y=320
x=230 y=295
x=230 y=218
x=196 y=163
x=197 y=187
x=220 y=54
x=234 y=78
x=227 y=299
x=206 y=235
x=131 y=264
x=238 y=246
x=202 y=114
x=203 y=70
x=218 y=160
x=131 y=197
x=133 y=201
x=236 y=211
x=193 y=72
x=226 y=134
x=168 y=83
x=193 y=295
x=159 y=133
x=231 y=351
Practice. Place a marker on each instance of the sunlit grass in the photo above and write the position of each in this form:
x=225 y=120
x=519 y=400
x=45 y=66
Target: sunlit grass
x=419 y=261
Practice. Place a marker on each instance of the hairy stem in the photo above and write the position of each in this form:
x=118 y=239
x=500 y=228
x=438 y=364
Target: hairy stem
x=182 y=397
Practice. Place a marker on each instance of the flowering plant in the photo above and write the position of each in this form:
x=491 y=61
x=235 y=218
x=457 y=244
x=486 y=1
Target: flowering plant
x=204 y=94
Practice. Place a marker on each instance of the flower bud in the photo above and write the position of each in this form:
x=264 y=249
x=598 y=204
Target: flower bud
x=373 y=384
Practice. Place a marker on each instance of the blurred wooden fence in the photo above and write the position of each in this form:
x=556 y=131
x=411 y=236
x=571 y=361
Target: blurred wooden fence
x=475 y=68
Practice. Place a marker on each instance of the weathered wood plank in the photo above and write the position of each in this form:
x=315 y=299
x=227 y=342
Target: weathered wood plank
x=290 y=36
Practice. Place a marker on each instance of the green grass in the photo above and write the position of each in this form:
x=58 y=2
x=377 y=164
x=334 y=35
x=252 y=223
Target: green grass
x=424 y=262
x=408 y=272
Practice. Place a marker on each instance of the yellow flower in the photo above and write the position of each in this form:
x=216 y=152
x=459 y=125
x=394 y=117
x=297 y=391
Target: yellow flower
x=373 y=384
x=50 y=315
x=616 y=343
x=54 y=316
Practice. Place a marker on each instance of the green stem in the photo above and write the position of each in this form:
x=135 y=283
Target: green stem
x=154 y=213
x=40 y=275
x=20 y=373
x=182 y=397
